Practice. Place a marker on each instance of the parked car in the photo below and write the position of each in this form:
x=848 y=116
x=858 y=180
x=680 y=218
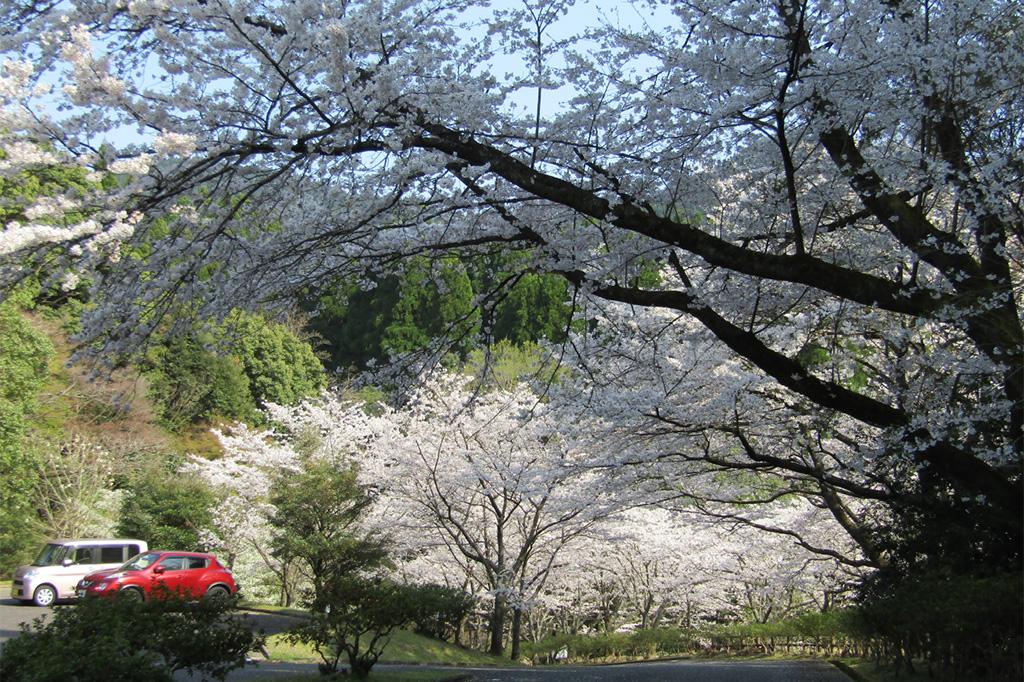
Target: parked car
x=156 y=574
x=62 y=563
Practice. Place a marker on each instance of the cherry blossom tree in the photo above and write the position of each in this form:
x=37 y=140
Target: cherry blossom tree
x=823 y=197
x=649 y=566
x=494 y=476
x=485 y=485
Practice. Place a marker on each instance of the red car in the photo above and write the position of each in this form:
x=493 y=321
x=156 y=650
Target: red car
x=189 y=574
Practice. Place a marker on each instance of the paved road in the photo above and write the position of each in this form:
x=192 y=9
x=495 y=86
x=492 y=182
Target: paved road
x=681 y=671
x=12 y=613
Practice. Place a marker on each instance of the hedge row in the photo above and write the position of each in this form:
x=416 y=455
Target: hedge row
x=968 y=628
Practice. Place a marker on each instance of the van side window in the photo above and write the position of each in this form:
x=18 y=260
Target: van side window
x=83 y=555
x=112 y=554
x=133 y=550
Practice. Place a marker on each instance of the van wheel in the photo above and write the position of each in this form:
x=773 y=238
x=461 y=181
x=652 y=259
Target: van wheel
x=44 y=595
x=132 y=594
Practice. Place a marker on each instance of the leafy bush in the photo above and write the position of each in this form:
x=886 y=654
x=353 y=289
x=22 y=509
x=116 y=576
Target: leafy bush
x=652 y=642
x=114 y=640
x=969 y=625
x=440 y=611
x=353 y=617
x=580 y=647
x=167 y=511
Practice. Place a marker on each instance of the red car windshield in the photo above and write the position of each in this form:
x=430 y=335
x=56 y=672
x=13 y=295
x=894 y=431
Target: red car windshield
x=140 y=562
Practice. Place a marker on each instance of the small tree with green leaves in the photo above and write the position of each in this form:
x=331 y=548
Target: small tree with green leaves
x=354 y=617
x=317 y=517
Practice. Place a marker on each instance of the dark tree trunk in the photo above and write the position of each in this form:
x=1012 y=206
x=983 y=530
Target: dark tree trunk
x=517 y=632
x=498 y=626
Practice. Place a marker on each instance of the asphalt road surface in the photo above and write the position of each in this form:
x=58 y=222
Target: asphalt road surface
x=681 y=671
x=12 y=613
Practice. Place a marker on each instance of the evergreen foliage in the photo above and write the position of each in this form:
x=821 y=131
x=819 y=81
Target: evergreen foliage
x=317 y=518
x=364 y=324
x=191 y=384
x=281 y=367
x=965 y=624
x=260 y=361
x=24 y=358
x=441 y=611
x=167 y=511
x=352 y=610
x=535 y=308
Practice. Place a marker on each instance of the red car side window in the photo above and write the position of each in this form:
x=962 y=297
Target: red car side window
x=173 y=563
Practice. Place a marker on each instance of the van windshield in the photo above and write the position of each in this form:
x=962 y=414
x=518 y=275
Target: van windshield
x=51 y=555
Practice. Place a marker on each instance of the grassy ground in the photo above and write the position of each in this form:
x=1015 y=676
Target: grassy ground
x=404 y=647
x=408 y=647
x=866 y=671
x=257 y=606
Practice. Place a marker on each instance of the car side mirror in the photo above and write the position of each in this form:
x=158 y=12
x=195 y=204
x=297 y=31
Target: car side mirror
x=66 y=562
x=159 y=569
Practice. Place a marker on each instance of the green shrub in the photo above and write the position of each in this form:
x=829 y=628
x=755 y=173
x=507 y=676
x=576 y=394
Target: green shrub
x=440 y=610
x=280 y=366
x=167 y=511
x=967 y=624
x=658 y=642
x=115 y=640
x=353 y=617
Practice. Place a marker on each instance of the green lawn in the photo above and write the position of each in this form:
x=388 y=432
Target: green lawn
x=404 y=647
x=257 y=606
x=866 y=671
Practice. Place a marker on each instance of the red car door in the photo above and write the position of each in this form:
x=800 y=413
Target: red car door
x=169 y=575
x=195 y=580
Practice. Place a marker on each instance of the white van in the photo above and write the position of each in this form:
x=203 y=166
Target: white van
x=62 y=563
